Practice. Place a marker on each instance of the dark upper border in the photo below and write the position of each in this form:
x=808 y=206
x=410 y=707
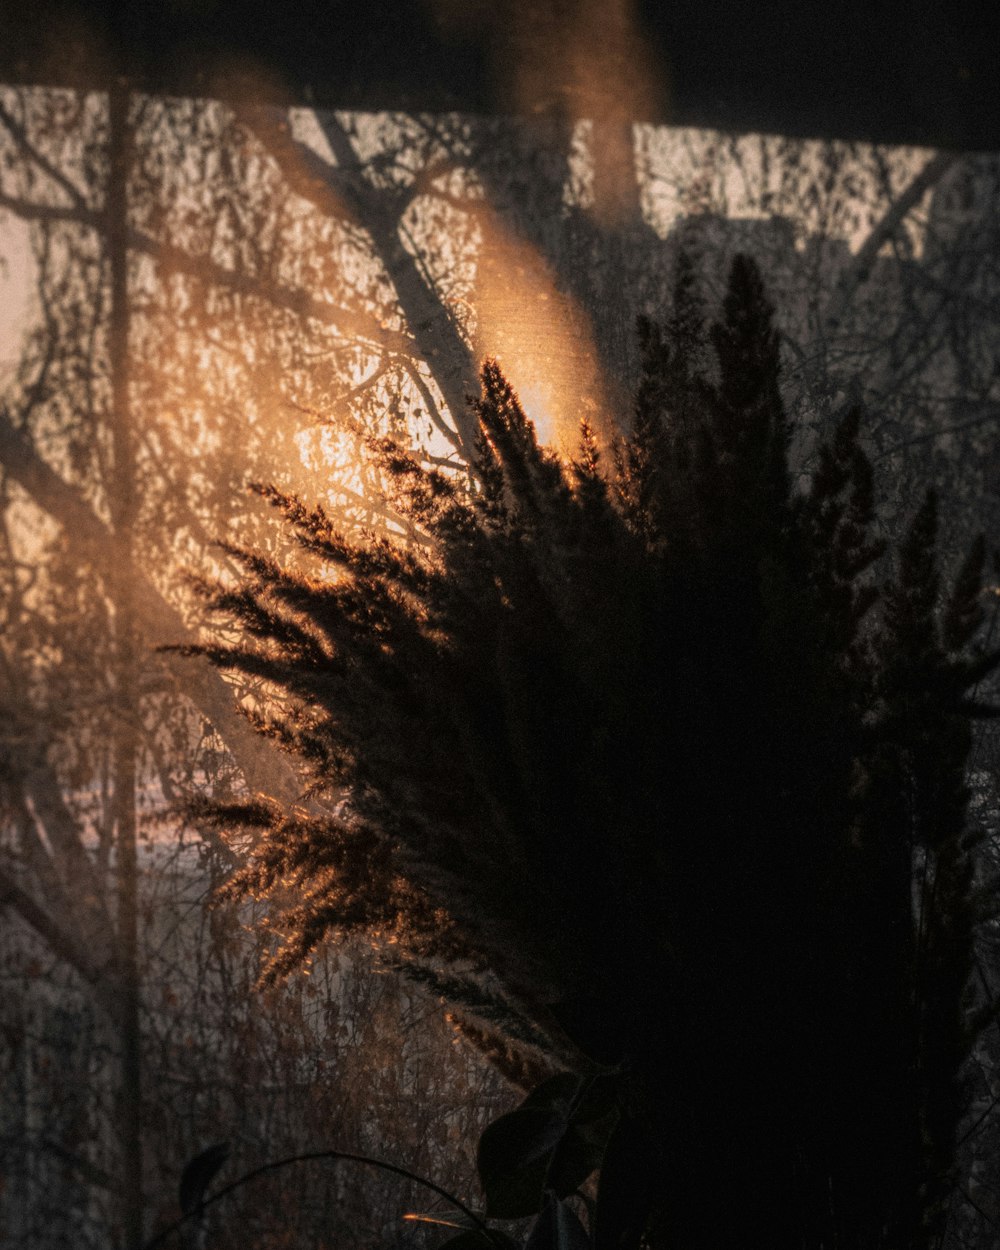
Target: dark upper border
x=899 y=71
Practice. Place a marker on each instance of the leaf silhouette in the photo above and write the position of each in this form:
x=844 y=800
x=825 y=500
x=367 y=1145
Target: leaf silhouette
x=198 y=1174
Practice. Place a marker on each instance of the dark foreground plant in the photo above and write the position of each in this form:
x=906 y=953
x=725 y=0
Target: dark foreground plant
x=638 y=767
x=200 y=1171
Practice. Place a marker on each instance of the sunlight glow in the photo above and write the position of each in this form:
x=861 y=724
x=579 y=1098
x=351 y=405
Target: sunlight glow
x=18 y=304
x=541 y=338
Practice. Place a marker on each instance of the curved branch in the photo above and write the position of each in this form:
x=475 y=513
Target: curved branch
x=173 y=259
x=340 y=190
x=882 y=232
x=158 y=620
x=336 y=1155
x=61 y=943
x=28 y=149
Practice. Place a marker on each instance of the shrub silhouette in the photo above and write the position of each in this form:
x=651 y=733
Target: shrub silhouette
x=632 y=760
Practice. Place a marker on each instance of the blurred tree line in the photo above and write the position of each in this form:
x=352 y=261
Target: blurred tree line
x=211 y=295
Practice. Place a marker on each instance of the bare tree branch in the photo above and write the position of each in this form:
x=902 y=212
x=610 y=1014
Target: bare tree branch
x=159 y=621
x=882 y=232
x=28 y=149
x=343 y=190
x=349 y=322
x=172 y=259
x=64 y=944
x=29 y=210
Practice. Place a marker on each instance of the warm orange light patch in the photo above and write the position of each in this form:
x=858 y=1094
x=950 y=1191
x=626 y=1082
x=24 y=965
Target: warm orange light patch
x=592 y=62
x=580 y=60
x=418 y=1218
x=540 y=336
